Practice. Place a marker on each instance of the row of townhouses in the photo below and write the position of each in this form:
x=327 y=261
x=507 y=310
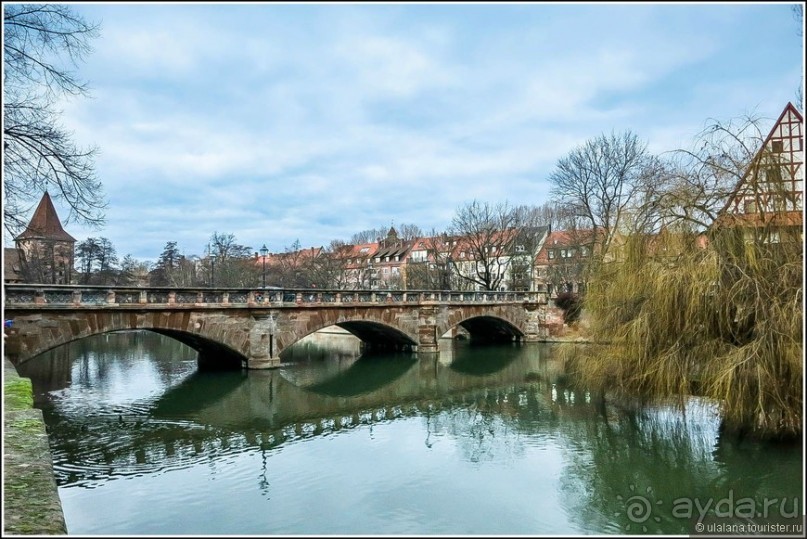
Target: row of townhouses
x=536 y=259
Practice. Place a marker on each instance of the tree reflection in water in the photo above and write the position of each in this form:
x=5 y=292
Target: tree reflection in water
x=113 y=414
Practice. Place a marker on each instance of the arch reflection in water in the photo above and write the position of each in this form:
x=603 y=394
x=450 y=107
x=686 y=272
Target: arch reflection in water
x=370 y=372
x=435 y=451
x=482 y=360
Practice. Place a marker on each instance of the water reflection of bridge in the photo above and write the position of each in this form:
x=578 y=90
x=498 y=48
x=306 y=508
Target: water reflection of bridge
x=372 y=384
x=211 y=413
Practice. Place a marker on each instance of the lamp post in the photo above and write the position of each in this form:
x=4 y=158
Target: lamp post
x=264 y=252
x=213 y=270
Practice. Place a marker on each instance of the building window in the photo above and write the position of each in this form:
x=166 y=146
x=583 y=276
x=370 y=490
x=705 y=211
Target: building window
x=750 y=205
x=551 y=253
x=563 y=253
x=778 y=146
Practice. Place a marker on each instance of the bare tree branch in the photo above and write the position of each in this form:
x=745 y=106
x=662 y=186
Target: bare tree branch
x=41 y=45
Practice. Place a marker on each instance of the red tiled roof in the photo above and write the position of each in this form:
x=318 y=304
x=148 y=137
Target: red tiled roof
x=45 y=224
x=559 y=239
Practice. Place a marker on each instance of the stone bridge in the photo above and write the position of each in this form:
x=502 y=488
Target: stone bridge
x=231 y=328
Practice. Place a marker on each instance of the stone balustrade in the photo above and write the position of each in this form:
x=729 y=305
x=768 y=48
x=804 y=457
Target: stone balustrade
x=44 y=296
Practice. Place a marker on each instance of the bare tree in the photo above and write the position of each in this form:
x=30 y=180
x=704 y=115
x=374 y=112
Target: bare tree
x=133 y=272
x=405 y=232
x=429 y=266
x=41 y=43
x=294 y=267
x=329 y=270
x=599 y=181
x=485 y=233
x=231 y=264
x=698 y=180
x=408 y=232
x=369 y=236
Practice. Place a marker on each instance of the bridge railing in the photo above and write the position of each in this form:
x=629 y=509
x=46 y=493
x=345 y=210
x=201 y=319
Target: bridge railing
x=71 y=296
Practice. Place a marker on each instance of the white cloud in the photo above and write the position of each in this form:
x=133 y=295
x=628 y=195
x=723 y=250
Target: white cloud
x=284 y=122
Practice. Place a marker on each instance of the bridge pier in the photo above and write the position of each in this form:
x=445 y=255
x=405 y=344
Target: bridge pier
x=263 y=363
x=535 y=327
x=262 y=342
x=427 y=330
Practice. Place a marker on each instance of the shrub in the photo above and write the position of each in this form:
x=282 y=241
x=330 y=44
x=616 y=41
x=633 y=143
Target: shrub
x=571 y=305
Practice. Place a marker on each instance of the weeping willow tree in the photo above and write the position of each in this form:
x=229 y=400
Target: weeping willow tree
x=717 y=311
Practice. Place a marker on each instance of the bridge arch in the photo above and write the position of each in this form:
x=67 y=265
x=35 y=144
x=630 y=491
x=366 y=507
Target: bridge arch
x=485 y=326
x=203 y=335
x=211 y=354
x=374 y=333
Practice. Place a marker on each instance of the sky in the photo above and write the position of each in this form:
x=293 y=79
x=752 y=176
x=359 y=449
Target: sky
x=281 y=122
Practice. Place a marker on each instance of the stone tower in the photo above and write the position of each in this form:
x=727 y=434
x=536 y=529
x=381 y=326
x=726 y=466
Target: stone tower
x=46 y=251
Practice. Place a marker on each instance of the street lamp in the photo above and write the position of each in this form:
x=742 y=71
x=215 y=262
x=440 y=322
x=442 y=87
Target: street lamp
x=264 y=252
x=213 y=271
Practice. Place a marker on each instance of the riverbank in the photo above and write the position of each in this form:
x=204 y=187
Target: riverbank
x=31 y=504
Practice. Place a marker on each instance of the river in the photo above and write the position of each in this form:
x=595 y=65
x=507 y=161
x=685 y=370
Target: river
x=475 y=440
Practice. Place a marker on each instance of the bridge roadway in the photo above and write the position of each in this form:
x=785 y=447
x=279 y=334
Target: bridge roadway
x=234 y=328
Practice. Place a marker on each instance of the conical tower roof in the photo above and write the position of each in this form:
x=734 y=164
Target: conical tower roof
x=45 y=224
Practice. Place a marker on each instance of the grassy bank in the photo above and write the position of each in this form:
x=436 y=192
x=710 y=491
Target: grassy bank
x=31 y=500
